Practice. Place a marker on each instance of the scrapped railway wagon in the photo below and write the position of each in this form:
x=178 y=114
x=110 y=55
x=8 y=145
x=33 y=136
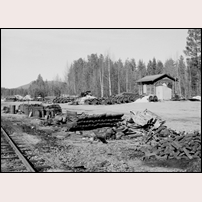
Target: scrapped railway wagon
x=115 y=99
x=37 y=110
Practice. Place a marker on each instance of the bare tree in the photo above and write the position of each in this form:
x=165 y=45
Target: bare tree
x=109 y=76
x=126 y=68
x=101 y=75
x=118 y=73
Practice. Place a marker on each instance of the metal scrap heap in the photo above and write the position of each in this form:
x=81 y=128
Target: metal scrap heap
x=168 y=144
x=115 y=99
x=152 y=138
x=157 y=141
x=63 y=99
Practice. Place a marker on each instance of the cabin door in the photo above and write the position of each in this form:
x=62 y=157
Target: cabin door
x=159 y=92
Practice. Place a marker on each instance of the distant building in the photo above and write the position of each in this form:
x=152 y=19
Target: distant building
x=11 y=98
x=161 y=85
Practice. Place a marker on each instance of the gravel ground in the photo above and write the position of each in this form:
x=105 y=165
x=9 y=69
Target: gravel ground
x=68 y=152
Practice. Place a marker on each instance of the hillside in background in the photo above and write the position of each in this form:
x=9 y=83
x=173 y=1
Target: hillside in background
x=33 y=88
x=26 y=86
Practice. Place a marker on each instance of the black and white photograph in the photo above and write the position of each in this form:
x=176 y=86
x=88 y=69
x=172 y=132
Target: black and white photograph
x=101 y=100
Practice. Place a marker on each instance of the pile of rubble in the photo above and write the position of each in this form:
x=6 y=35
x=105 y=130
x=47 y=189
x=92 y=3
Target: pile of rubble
x=147 y=129
x=168 y=144
x=155 y=140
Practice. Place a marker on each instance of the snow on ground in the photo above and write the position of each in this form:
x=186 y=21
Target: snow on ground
x=144 y=99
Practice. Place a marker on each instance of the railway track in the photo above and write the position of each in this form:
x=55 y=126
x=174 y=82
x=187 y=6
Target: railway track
x=18 y=157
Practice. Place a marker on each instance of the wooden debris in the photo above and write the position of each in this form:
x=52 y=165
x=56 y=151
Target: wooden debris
x=147 y=119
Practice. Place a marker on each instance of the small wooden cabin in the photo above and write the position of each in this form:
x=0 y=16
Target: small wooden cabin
x=161 y=85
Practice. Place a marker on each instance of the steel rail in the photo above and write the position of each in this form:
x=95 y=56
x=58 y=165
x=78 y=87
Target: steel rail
x=18 y=152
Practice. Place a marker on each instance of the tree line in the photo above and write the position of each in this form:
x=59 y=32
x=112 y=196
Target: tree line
x=38 y=88
x=104 y=77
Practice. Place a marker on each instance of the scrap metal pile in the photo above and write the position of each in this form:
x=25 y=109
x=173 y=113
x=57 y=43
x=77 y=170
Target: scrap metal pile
x=71 y=99
x=117 y=99
x=63 y=99
x=87 y=99
x=178 y=98
x=91 y=100
x=147 y=129
x=155 y=140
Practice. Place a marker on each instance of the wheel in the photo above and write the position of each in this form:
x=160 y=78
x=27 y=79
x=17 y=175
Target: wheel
x=155 y=98
x=151 y=98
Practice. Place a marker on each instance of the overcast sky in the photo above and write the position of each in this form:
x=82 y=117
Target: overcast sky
x=26 y=53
